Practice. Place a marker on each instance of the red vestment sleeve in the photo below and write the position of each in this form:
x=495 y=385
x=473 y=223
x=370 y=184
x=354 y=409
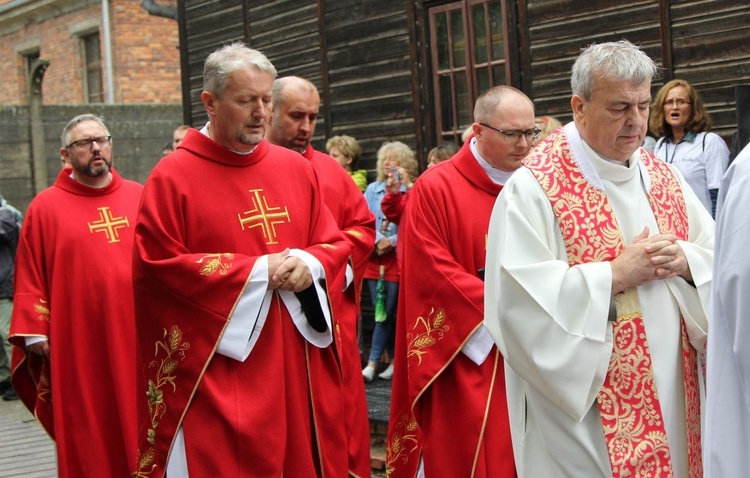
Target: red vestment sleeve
x=393 y=206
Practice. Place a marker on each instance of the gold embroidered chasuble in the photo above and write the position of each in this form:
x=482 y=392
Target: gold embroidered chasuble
x=208 y=218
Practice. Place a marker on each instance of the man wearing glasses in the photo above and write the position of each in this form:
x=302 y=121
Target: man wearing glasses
x=73 y=323
x=448 y=385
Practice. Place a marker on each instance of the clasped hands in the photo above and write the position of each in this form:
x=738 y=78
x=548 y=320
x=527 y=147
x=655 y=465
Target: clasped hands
x=287 y=272
x=647 y=259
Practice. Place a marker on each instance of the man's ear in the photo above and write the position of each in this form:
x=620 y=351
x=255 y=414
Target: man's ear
x=208 y=99
x=578 y=106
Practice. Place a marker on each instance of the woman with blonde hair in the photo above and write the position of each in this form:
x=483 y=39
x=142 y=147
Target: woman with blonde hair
x=546 y=125
x=346 y=151
x=682 y=124
x=382 y=272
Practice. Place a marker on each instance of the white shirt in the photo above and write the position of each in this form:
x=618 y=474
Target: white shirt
x=701 y=158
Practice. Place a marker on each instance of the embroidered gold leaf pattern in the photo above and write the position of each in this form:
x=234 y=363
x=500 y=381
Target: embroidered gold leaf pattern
x=173 y=350
x=402 y=442
x=146 y=461
x=432 y=329
x=42 y=309
x=215 y=262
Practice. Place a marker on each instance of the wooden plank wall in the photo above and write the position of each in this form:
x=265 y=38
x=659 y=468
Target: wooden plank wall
x=205 y=25
x=369 y=73
x=355 y=51
x=367 y=58
x=558 y=29
x=711 y=50
x=706 y=41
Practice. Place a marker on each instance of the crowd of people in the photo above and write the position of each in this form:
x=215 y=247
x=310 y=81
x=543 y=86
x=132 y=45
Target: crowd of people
x=541 y=295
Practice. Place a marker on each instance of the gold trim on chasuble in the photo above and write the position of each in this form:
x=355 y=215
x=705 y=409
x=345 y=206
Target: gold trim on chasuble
x=628 y=401
x=264 y=216
x=174 y=349
x=42 y=382
x=108 y=224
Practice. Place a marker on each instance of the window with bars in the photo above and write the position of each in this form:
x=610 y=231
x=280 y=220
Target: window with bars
x=469 y=51
x=92 y=68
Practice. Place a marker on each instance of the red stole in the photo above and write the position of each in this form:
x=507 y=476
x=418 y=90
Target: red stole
x=628 y=401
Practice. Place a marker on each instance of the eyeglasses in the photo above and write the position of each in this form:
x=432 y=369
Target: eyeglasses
x=514 y=136
x=87 y=143
x=679 y=103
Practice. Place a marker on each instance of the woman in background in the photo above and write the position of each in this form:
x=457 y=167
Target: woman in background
x=682 y=125
x=546 y=125
x=383 y=265
x=395 y=201
x=346 y=151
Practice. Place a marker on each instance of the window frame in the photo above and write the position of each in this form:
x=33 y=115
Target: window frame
x=90 y=66
x=470 y=68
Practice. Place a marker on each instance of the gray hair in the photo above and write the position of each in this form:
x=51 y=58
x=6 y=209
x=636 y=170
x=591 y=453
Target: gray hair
x=228 y=59
x=618 y=61
x=65 y=137
x=486 y=106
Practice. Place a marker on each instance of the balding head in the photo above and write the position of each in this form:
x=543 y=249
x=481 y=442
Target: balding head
x=296 y=103
x=504 y=126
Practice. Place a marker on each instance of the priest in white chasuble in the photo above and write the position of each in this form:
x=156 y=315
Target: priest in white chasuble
x=599 y=269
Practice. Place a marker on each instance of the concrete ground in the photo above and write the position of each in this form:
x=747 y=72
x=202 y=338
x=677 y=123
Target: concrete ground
x=25 y=448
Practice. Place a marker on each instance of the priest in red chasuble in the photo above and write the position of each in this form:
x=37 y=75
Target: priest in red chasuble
x=599 y=271
x=448 y=409
x=73 y=322
x=296 y=103
x=237 y=263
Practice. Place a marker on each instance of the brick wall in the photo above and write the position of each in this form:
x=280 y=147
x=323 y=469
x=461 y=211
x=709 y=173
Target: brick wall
x=146 y=58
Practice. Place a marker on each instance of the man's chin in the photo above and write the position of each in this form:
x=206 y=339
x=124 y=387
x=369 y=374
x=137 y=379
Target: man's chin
x=251 y=139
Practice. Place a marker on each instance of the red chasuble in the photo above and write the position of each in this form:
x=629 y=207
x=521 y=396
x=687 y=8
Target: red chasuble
x=74 y=287
x=207 y=216
x=349 y=208
x=443 y=405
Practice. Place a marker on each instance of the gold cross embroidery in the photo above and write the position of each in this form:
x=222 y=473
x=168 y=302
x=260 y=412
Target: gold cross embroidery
x=108 y=224
x=264 y=216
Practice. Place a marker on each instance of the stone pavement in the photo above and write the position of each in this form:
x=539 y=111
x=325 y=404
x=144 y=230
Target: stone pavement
x=25 y=448
x=27 y=451
x=378 y=404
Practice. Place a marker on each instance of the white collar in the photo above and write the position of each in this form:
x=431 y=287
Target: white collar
x=496 y=175
x=580 y=151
